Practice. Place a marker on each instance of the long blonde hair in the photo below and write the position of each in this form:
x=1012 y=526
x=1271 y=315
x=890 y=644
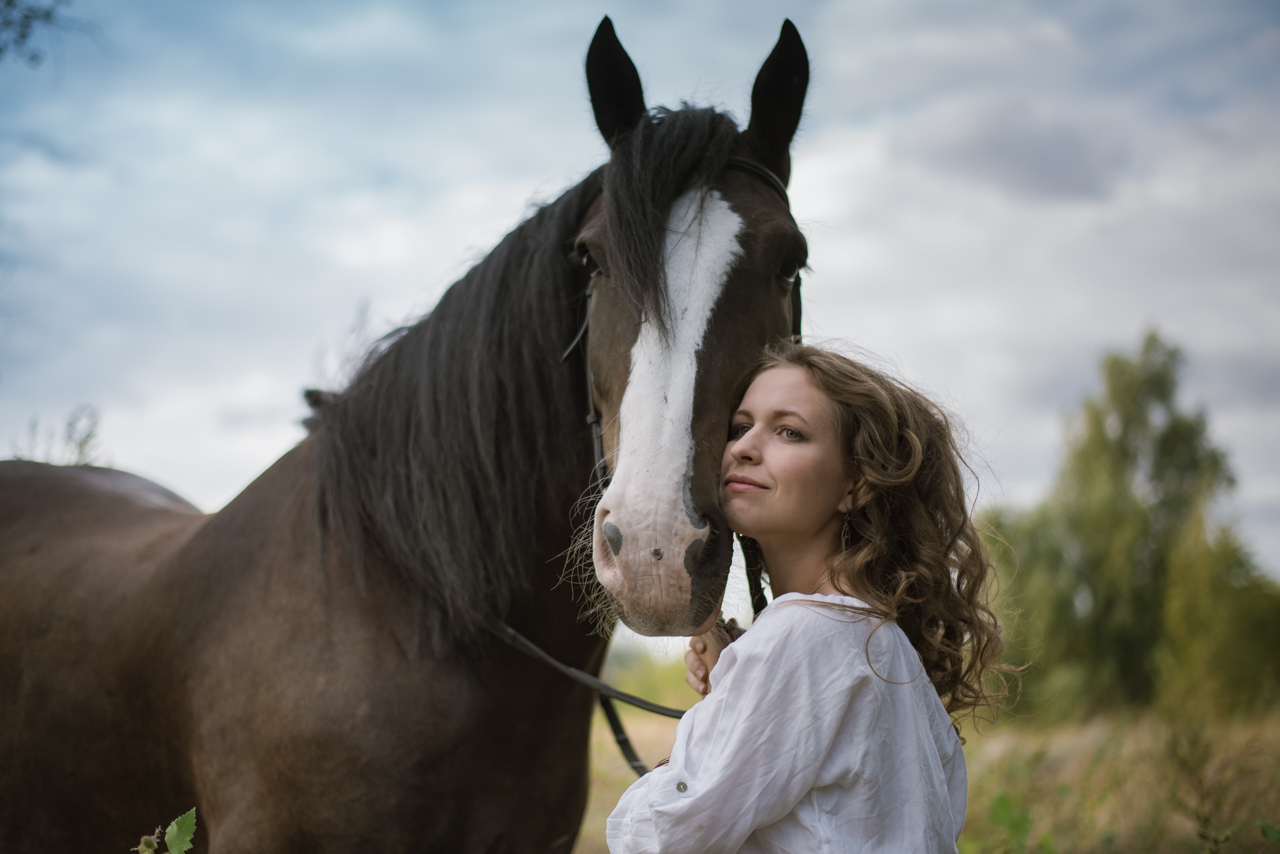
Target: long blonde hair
x=911 y=550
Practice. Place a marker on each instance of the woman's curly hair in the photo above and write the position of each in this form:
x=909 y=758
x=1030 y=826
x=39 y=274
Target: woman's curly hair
x=910 y=551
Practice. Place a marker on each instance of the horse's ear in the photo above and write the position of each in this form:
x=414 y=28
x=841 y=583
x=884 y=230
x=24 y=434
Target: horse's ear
x=777 y=99
x=617 y=97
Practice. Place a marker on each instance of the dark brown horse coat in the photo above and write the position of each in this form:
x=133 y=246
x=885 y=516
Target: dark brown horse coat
x=308 y=666
x=161 y=658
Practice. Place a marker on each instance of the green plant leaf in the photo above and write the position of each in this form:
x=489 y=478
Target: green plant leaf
x=1013 y=817
x=1270 y=832
x=178 y=836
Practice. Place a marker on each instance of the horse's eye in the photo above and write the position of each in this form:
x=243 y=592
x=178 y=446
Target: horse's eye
x=789 y=271
x=584 y=257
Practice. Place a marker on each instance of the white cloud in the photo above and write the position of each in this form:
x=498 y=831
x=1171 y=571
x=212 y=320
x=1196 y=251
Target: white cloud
x=995 y=196
x=370 y=31
x=1023 y=150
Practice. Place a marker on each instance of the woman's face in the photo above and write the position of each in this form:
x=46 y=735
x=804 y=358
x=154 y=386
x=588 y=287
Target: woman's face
x=783 y=476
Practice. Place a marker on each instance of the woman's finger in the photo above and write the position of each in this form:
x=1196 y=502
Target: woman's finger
x=696 y=665
x=696 y=684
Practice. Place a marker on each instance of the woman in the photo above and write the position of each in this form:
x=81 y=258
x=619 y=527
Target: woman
x=826 y=726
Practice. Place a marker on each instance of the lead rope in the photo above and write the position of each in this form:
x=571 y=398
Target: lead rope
x=600 y=478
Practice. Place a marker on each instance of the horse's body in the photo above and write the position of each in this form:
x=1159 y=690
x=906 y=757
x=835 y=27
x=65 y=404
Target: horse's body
x=309 y=665
x=166 y=658
x=154 y=658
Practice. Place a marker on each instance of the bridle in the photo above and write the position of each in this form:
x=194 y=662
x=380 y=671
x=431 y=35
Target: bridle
x=600 y=480
x=600 y=471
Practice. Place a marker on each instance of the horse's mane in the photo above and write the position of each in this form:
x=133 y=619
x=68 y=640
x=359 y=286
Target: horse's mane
x=459 y=434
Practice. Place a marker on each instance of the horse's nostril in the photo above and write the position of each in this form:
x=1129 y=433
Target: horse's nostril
x=613 y=537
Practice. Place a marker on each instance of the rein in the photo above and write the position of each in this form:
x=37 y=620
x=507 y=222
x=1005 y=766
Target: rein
x=600 y=478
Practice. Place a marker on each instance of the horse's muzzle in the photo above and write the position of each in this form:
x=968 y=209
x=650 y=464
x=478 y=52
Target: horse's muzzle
x=665 y=572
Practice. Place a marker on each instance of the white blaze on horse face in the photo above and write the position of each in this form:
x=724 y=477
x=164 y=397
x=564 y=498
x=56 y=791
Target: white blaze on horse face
x=645 y=523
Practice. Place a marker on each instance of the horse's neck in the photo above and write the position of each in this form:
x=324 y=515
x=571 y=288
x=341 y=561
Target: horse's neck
x=551 y=611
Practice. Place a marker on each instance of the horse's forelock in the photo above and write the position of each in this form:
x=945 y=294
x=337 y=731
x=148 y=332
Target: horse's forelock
x=666 y=154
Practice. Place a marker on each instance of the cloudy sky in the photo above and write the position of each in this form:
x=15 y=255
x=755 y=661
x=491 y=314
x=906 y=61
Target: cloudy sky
x=200 y=201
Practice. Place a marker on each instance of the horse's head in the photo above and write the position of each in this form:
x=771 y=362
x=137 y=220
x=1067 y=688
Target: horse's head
x=693 y=266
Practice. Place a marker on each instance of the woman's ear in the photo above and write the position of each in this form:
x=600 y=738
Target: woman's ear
x=846 y=503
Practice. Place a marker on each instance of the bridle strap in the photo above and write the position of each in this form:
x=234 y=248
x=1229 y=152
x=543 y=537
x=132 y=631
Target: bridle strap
x=767 y=175
x=606 y=692
x=764 y=173
x=755 y=573
x=600 y=469
x=528 y=647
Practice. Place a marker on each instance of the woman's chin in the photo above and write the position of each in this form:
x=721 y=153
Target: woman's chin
x=740 y=526
x=736 y=514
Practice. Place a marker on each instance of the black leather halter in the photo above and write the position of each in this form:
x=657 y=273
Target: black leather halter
x=775 y=183
x=600 y=471
x=600 y=480
x=763 y=173
x=750 y=549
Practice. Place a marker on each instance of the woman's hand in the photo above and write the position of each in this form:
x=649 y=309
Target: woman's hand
x=704 y=652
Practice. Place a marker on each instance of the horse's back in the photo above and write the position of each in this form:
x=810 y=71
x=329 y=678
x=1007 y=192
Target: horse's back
x=58 y=518
x=30 y=491
x=81 y=554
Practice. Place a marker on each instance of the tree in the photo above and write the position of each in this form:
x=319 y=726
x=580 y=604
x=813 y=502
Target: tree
x=79 y=446
x=20 y=20
x=1129 y=589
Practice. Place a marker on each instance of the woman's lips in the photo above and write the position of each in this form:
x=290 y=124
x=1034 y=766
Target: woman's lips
x=742 y=483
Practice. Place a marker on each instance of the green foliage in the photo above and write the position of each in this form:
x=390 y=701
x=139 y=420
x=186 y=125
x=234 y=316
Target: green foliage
x=1221 y=626
x=1014 y=818
x=19 y=21
x=1130 y=593
x=177 y=837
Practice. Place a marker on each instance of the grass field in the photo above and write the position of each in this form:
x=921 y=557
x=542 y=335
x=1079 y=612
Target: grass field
x=1123 y=784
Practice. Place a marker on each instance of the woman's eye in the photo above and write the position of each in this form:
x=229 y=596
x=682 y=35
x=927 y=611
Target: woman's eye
x=789 y=433
x=737 y=431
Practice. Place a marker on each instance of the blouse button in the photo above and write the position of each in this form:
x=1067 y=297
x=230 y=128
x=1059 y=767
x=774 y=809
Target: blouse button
x=682 y=786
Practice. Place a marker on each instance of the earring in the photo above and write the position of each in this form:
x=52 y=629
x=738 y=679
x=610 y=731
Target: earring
x=846 y=534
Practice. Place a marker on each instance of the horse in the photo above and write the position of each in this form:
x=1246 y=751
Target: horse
x=310 y=666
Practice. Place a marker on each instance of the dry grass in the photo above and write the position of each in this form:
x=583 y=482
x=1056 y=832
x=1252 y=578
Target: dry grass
x=651 y=734
x=1126 y=784
x=610 y=774
x=1136 y=784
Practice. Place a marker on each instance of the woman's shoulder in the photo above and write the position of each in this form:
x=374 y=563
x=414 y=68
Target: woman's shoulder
x=817 y=611
x=799 y=617
x=829 y=622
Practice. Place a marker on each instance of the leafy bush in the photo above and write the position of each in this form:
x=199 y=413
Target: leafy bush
x=1128 y=592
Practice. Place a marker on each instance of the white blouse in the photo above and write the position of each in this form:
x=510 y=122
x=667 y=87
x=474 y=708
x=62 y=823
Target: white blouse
x=812 y=739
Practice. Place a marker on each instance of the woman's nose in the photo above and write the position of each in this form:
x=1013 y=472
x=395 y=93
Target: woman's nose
x=744 y=449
